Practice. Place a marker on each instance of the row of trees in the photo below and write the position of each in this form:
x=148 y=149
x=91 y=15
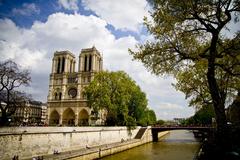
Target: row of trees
x=204 y=116
x=123 y=101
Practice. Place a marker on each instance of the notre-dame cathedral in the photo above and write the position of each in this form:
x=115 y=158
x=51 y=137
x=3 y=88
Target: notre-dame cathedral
x=66 y=103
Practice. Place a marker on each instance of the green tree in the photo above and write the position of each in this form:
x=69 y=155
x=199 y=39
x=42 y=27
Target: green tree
x=187 y=33
x=149 y=118
x=119 y=96
x=160 y=122
x=234 y=110
x=11 y=78
x=137 y=104
x=193 y=82
x=204 y=115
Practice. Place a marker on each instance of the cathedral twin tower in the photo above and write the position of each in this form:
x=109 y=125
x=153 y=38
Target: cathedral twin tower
x=66 y=103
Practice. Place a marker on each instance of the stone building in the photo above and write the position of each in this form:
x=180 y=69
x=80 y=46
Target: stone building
x=44 y=113
x=30 y=113
x=66 y=103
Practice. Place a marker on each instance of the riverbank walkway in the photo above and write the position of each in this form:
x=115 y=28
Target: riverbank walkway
x=85 y=151
x=97 y=151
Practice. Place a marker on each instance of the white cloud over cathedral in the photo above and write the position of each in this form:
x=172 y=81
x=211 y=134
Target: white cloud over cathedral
x=124 y=14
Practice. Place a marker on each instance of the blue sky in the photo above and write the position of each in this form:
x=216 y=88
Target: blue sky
x=25 y=13
x=31 y=31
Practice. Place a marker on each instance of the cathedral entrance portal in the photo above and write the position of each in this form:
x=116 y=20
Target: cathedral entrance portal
x=54 y=118
x=68 y=117
x=83 y=118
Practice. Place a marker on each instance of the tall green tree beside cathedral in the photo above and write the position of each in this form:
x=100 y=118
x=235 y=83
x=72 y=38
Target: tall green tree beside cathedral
x=118 y=94
x=187 y=33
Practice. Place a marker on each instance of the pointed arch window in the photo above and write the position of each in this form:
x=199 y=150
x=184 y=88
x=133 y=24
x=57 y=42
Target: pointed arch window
x=55 y=96
x=85 y=64
x=58 y=65
x=90 y=63
x=60 y=95
x=63 y=65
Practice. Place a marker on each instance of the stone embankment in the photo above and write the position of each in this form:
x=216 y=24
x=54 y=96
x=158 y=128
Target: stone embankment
x=69 y=142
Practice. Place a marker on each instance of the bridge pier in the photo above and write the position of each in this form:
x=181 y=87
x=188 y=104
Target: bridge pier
x=155 y=135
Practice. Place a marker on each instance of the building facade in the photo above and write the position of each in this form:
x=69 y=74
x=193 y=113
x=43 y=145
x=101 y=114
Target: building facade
x=67 y=105
x=30 y=113
x=44 y=113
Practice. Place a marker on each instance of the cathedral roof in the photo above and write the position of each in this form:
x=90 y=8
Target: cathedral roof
x=64 y=53
x=90 y=50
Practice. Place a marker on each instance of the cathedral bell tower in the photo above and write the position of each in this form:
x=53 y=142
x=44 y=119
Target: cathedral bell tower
x=63 y=61
x=90 y=62
x=63 y=64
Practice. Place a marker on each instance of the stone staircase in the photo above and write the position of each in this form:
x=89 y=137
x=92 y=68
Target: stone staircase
x=140 y=133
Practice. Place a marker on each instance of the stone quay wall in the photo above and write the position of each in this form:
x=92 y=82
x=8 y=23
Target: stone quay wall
x=27 y=142
x=102 y=151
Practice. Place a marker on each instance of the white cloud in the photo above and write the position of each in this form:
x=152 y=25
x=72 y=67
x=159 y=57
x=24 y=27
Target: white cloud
x=124 y=14
x=24 y=56
x=168 y=111
x=9 y=31
x=69 y=4
x=27 y=9
x=33 y=48
x=72 y=32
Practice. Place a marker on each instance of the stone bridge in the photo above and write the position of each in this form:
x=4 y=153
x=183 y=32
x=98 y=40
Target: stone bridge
x=156 y=130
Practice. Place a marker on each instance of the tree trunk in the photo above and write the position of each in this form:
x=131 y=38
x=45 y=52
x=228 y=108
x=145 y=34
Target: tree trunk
x=4 y=120
x=218 y=100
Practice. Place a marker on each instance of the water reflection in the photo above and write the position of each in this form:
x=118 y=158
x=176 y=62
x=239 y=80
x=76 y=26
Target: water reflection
x=178 y=145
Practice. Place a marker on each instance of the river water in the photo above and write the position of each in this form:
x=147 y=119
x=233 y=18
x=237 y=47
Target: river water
x=177 y=145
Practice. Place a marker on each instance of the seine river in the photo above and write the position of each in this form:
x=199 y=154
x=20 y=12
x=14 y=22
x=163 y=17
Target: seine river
x=178 y=145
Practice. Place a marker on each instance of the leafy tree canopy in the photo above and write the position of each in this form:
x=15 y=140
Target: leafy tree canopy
x=188 y=44
x=160 y=122
x=203 y=116
x=118 y=94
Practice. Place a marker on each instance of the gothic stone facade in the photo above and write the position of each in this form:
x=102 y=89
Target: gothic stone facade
x=66 y=103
